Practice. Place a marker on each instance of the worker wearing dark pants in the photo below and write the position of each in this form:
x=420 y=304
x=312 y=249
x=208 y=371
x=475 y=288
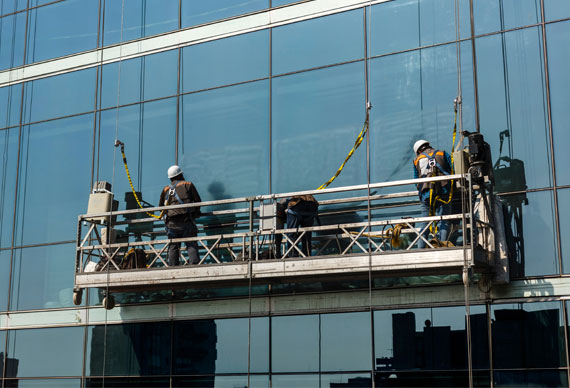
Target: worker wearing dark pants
x=180 y=223
x=301 y=212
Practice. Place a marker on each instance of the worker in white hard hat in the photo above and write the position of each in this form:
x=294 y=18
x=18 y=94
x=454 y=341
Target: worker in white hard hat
x=180 y=223
x=431 y=162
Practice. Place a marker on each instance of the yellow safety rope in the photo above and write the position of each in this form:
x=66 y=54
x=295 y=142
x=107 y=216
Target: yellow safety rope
x=354 y=148
x=119 y=143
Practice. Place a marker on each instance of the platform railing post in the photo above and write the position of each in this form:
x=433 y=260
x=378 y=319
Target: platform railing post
x=251 y=203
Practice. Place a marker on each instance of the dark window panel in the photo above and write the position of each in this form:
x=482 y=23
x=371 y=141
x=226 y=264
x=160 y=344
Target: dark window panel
x=10 y=103
x=138 y=19
x=225 y=61
x=129 y=349
x=199 y=12
x=407 y=24
x=429 y=339
x=148 y=131
x=9 y=153
x=318 y=42
x=556 y=9
x=450 y=379
x=63 y=28
x=120 y=382
x=531 y=234
x=528 y=335
x=143 y=78
x=61 y=351
x=61 y=95
x=317 y=116
x=295 y=344
x=215 y=381
x=558 y=59
x=54 y=179
x=512 y=105
x=412 y=94
x=531 y=378
x=345 y=342
x=42 y=277
x=495 y=15
x=224 y=138
x=12 y=35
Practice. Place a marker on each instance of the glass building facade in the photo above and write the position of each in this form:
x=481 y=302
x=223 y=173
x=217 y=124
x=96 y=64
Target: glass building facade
x=266 y=96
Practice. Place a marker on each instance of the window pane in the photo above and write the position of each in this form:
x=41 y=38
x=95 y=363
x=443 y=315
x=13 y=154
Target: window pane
x=432 y=379
x=288 y=381
x=128 y=349
x=317 y=42
x=62 y=28
x=530 y=222
x=277 y=3
x=556 y=9
x=9 y=154
x=528 y=335
x=128 y=382
x=412 y=95
x=558 y=59
x=9 y=6
x=512 y=103
x=198 y=12
x=61 y=351
x=43 y=277
x=10 y=103
x=49 y=203
x=143 y=78
x=429 y=339
x=294 y=346
x=226 y=146
x=496 y=15
x=138 y=18
x=12 y=35
x=51 y=383
x=4 y=282
x=225 y=61
x=531 y=378
x=220 y=346
x=75 y=94
x=317 y=116
x=340 y=351
x=563 y=211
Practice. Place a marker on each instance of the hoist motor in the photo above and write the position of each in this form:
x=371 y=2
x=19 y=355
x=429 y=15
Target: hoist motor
x=101 y=201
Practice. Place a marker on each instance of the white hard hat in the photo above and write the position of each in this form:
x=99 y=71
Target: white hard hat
x=418 y=144
x=174 y=171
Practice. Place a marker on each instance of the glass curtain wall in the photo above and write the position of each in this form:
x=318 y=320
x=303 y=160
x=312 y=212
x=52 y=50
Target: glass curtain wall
x=271 y=111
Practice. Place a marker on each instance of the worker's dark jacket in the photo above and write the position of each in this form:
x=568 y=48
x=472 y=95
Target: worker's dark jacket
x=188 y=194
x=300 y=198
x=423 y=170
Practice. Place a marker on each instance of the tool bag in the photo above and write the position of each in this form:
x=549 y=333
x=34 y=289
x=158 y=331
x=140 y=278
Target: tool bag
x=135 y=258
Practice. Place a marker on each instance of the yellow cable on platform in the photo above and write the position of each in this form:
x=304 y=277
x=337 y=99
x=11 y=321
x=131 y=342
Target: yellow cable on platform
x=354 y=148
x=119 y=143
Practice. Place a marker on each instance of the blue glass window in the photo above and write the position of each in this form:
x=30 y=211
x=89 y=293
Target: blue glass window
x=9 y=153
x=528 y=335
x=149 y=133
x=295 y=344
x=225 y=139
x=277 y=3
x=497 y=15
x=61 y=351
x=138 y=19
x=412 y=97
x=558 y=59
x=10 y=103
x=531 y=217
x=9 y=6
x=46 y=383
x=62 y=95
x=512 y=104
x=318 y=42
x=139 y=349
x=199 y=12
x=54 y=183
x=12 y=35
x=317 y=116
x=225 y=61
x=143 y=78
x=563 y=211
x=62 y=28
x=5 y=256
x=42 y=277
x=556 y=9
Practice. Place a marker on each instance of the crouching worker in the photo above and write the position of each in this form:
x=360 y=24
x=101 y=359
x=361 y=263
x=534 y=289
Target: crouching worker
x=429 y=162
x=180 y=222
x=301 y=211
